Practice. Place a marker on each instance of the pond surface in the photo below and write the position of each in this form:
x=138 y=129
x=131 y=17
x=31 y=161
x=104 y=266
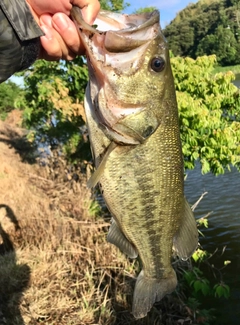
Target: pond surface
x=237 y=80
x=223 y=200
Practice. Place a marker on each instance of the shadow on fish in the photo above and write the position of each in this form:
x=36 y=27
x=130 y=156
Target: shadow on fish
x=132 y=119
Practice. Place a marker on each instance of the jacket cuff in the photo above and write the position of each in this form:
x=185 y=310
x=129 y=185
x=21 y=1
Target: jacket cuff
x=19 y=37
x=21 y=19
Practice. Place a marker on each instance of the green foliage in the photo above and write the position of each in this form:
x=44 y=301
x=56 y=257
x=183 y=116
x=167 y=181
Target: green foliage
x=114 y=5
x=203 y=222
x=205 y=28
x=221 y=290
x=201 y=286
x=222 y=43
x=201 y=316
x=198 y=282
x=53 y=100
x=145 y=9
x=209 y=110
x=9 y=95
x=199 y=255
x=95 y=209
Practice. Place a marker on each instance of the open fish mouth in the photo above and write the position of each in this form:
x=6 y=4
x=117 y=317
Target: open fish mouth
x=120 y=25
x=116 y=33
x=116 y=46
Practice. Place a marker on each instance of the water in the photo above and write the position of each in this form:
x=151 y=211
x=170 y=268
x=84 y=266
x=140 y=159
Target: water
x=223 y=199
x=237 y=81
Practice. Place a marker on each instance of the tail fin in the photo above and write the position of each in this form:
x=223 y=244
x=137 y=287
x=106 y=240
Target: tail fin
x=148 y=291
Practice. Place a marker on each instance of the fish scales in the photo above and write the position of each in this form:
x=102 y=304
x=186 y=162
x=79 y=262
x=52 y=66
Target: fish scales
x=132 y=118
x=144 y=191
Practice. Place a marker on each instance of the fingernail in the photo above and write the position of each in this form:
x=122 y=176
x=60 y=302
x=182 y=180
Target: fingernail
x=61 y=21
x=87 y=16
x=47 y=31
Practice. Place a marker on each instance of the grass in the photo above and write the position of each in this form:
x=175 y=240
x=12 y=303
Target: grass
x=57 y=260
x=234 y=68
x=55 y=264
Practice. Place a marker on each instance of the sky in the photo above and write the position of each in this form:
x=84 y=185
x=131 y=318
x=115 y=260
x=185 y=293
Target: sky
x=168 y=8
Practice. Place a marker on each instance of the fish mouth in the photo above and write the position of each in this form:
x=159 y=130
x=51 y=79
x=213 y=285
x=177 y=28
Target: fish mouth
x=133 y=30
x=119 y=24
x=115 y=46
x=117 y=33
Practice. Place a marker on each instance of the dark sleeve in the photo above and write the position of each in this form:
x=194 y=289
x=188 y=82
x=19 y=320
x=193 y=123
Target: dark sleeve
x=19 y=37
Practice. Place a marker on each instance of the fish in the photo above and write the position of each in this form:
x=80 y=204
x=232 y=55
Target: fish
x=132 y=118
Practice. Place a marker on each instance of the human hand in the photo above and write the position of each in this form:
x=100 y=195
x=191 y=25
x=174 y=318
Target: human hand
x=61 y=40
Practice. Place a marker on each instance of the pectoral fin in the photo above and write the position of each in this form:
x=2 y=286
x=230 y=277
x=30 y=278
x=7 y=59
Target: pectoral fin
x=123 y=135
x=94 y=179
x=186 y=239
x=115 y=236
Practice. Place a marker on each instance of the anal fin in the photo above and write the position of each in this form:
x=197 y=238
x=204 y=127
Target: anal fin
x=185 y=240
x=115 y=236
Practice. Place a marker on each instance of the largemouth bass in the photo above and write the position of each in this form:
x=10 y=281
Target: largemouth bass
x=132 y=118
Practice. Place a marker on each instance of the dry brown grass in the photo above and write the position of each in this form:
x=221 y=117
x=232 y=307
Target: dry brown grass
x=61 y=270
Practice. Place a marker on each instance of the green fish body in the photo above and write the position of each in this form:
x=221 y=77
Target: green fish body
x=132 y=118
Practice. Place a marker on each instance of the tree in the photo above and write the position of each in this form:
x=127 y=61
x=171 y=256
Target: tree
x=209 y=111
x=113 y=5
x=222 y=43
x=146 y=9
x=54 y=102
x=9 y=93
x=205 y=28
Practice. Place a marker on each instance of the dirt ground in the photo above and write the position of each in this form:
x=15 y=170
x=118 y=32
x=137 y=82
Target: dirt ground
x=47 y=230
x=55 y=264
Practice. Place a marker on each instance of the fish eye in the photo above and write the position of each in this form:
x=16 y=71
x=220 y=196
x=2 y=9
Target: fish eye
x=157 y=64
